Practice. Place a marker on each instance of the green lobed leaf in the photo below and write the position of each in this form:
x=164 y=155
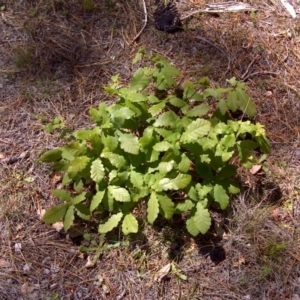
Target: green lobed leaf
x=61 y=165
x=193 y=193
x=116 y=160
x=202 y=219
x=62 y=195
x=108 y=201
x=228 y=140
x=119 y=193
x=83 y=211
x=51 y=155
x=68 y=178
x=130 y=224
x=97 y=199
x=245 y=127
x=140 y=194
x=191 y=226
x=110 y=142
x=139 y=108
x=188 y=89
x=124 y=112
x=163 y=81
x=203 y=190
x=78 y=164
x=232 y=81
x=69 y=218
x=185 y=164
x=111 y=223
x=119 y=114
x=180 y=182
x=163 y=132
x=166 y=205
x=244 y=149
x=99 y=115
x=220 y=196
x=263 y=143
x=173 y=138
x=167 y=119
x=170 y=70
x=152 y=156
x=123 y=176
x=55 y=213
x=196 y=130
x=147 y=137
x=198 y=111
x=162 y=146
x=140 y=80
x=97 y=170
x=212 y=92
x=246 y=104
x=153 y=99
x=72 y=150
x=165 y=166
x=233 y=189
x=232 y=102
x=139 y=55
x=227 y=171
x=226 y=155
x=209 y=143
x=184 y=206
x=198 y=97
x=137 y=179
x=153 y=208
x=177 y=102
x=156 y=109
x=136 y=97
x=78 y=186
x=222 y=105
x=112 y=175
x=79 y=198
x=222 y=128
x=129 y=143
x=205 y=158
x=56 y=123
x=87 y=134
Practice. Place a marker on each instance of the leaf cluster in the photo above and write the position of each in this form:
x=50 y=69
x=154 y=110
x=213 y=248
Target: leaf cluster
x=178 y=153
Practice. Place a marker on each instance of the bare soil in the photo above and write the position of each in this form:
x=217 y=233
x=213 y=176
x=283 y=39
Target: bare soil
x=55 y=58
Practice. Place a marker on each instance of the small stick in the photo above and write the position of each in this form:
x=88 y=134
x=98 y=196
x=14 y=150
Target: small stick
x=260 y=73
x=230 y=6
x=145 y=22
x=247 y=71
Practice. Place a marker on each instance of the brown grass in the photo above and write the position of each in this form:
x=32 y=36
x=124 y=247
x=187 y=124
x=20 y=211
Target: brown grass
x=55 y=57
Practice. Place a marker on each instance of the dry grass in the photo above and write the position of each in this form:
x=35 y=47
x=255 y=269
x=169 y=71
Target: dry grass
x=55 y=57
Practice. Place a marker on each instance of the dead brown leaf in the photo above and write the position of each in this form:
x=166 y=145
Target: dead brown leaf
x=163 y=272
x=255 y=169
x=240 y=262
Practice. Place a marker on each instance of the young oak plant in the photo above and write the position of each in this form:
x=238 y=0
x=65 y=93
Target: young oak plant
x=177 y=151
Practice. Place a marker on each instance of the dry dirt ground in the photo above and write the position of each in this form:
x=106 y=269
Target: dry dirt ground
x=55 y=57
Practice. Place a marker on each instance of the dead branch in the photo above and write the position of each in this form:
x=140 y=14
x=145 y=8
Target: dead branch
x=145 y=22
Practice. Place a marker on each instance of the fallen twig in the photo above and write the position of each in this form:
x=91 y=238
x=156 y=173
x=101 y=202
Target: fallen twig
x=259 y=73
x=14 y=158
x=230 y=6
x=247 y=71
x=145 y=23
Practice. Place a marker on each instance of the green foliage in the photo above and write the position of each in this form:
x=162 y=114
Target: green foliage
x=24 y=57
x=147 y=147
x=88 y=5
x=56 y=123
